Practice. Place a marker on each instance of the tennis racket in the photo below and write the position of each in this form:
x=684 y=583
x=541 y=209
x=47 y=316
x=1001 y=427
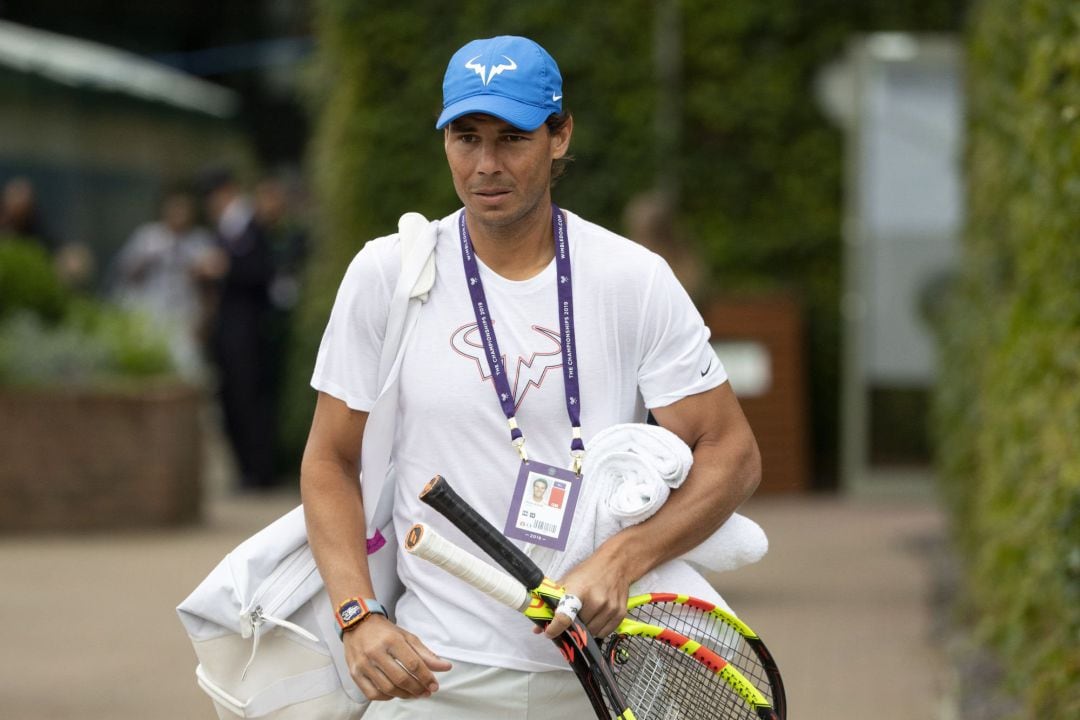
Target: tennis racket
x=644 y=670
x=718 y=630
x=577 y=644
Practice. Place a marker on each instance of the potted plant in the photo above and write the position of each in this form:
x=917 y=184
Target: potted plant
x=98 y=432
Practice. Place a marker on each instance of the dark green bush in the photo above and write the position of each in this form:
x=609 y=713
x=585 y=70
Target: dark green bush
x=27 y=281
x=95 y=345
x=1008 y=409
x=135 y=347
x=48 y=337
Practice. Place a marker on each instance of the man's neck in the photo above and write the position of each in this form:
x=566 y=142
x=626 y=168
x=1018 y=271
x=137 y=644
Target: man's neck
x=518 y=251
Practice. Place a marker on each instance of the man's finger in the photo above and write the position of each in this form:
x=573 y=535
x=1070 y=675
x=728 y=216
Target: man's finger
x=397 y=671
x=429 y=664
x=384 y=684
x=558 y=625
x=603 y=629
x=415 y=665
x=371 y=692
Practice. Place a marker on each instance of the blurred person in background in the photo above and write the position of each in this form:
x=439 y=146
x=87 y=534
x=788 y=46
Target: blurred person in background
x=278 y=211
x=19 y=213
x=241 y=335
x=649 y=218
x=162 y=271
x=20 y=217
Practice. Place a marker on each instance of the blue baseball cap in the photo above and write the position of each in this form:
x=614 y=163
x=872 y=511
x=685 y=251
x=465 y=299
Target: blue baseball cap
x=509 y=77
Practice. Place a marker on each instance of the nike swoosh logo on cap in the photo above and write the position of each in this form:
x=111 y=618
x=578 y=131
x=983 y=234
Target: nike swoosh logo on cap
x=556 y=98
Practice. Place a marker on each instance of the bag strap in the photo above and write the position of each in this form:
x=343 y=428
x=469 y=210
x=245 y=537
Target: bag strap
x=285 y=692
x=417 y=237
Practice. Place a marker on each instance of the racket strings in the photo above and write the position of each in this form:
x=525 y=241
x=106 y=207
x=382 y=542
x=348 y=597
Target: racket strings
x=660 y=682
x=713 y=633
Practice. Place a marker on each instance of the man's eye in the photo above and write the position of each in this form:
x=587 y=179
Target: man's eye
x=514 y=138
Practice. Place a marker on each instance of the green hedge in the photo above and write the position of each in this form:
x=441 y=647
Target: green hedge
x=1008 y=408
x=50 y=336
x=28 y=282
x=759 y=165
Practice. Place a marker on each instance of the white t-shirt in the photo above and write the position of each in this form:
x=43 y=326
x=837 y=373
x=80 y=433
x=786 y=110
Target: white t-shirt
x=640 y=344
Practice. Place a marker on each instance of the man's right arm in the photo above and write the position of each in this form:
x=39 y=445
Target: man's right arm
x=385 y=660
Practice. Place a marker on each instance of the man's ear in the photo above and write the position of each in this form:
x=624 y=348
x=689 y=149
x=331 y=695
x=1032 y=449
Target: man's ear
x=560 y=141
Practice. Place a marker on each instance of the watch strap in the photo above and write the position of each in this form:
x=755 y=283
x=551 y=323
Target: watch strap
x=354 y=611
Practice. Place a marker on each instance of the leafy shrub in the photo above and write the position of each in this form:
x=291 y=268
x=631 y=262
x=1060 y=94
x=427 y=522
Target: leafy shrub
x=136 y=348
x=95 y=345
x=28 y=282
x=47 y=337
x=1007 y=407
x=33 y=353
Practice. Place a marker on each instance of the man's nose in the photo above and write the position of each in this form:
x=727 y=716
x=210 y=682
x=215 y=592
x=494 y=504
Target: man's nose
x=489 y=159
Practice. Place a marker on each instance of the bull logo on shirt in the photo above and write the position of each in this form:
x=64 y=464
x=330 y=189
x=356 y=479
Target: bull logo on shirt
x=525 y=373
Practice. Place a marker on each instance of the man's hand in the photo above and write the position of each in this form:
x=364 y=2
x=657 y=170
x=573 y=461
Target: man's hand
x=388 y=662
x=726 y=469
x=602 y=584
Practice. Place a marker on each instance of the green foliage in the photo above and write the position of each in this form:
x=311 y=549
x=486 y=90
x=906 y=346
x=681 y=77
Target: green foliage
x=27 y=280
x=49 y=338
x=96 y=345
x=759 y=166
x=1007 y=408
x=135 y=348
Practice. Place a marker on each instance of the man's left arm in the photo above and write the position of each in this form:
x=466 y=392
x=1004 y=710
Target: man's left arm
x=726 y=470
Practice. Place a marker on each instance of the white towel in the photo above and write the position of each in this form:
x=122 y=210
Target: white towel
x=665 y=451
x=634 y=492
x=629 y=472
x=739 y=541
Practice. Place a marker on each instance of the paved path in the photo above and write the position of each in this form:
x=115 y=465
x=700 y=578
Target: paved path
x=844 y=602
x=89 y=631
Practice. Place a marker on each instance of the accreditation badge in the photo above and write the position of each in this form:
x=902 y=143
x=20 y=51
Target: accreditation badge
x=542 y=507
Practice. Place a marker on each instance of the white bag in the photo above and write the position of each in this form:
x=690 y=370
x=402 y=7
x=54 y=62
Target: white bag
x=261 y=623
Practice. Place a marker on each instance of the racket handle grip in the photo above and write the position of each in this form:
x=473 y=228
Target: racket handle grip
x=425 y=543
x=439 y=495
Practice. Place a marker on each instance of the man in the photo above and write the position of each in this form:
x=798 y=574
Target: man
x=19 y=213
x=20 y=217
x=240 y=337
x=544 y=296
x=160 y=271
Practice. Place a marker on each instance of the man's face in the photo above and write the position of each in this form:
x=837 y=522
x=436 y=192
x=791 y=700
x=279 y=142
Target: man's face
x=538 y=490
x=502 y=173
x=218 y=200
x=178 y=212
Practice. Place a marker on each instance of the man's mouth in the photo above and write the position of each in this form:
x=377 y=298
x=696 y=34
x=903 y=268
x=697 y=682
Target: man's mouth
x=491 y=191
x=490 y=197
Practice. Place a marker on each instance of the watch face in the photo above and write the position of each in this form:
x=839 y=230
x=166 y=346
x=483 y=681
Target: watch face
x=351 y=612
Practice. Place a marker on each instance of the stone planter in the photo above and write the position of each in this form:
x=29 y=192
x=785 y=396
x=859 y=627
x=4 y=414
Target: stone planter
x=99 y=459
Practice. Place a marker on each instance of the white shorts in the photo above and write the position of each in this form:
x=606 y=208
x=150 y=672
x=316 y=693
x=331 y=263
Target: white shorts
x=479 y=692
